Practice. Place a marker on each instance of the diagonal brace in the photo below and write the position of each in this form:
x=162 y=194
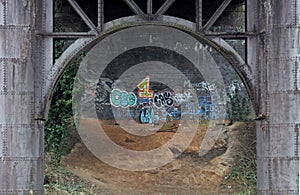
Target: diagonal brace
x=82 y=15
x=164 y=8
x=216 y=15
x=135 y=8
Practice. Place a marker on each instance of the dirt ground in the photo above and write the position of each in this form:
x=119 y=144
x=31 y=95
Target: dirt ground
x=188 y=174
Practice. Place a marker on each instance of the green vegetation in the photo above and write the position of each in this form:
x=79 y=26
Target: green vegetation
x=240 y=108
x=58 y=140
x=60 y=181
x=243 y=175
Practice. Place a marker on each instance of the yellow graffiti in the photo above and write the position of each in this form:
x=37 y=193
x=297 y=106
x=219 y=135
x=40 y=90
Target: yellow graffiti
x=144 y=89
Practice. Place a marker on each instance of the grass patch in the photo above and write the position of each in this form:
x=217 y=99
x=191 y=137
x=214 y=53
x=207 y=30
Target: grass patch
x=60 y=181
x=243 y=175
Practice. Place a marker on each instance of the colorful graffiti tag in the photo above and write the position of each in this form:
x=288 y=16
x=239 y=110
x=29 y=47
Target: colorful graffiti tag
x=122 y=98
x=144 y=89
x=181 y=98
x=148 y=115
x=150 y=106
x=163 y=99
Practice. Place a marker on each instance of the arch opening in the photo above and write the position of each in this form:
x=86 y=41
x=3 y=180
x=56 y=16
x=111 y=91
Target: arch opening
x=207 y=110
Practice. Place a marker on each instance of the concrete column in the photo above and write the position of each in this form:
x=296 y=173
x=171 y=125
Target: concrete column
x=278 y=134
x=21 y=135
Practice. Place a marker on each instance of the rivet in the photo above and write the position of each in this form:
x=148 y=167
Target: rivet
x=25 y=3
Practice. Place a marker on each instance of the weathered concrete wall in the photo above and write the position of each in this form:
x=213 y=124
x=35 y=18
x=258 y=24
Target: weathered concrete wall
x=21 y=137
x=278 y=134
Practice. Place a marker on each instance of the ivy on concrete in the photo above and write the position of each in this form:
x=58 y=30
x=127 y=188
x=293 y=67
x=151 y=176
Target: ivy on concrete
x=240 y=106
x=60 y=118
x=60 y=123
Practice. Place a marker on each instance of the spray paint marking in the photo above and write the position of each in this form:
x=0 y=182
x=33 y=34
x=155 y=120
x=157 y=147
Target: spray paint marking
x=144 y=89
x=123 y=99
x=181 y=98
x=163 y=99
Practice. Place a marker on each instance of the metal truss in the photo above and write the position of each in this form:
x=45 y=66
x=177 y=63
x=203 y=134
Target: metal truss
x=150 y=17
x=141 y=17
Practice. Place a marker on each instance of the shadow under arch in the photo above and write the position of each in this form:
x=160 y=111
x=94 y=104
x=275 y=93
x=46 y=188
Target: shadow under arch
x=85 y=44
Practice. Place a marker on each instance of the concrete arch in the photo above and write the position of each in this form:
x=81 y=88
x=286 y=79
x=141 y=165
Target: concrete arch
x=83 y=44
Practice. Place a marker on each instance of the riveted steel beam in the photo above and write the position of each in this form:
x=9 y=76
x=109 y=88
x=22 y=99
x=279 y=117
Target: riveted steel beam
x=149 y=7
x=199 y=14
x=100 y=14
x=67 y=35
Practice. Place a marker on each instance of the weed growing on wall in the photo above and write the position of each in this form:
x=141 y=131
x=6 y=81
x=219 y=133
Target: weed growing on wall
x=239 y=102
x=58 y=140
x=57 y=136
x=60 y=120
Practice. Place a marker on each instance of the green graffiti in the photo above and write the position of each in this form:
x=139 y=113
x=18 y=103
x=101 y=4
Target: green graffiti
x=115 y=98
x=122 y=98
x=131 y=99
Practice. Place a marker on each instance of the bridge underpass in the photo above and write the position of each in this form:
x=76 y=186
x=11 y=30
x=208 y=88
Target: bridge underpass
x=270 y=75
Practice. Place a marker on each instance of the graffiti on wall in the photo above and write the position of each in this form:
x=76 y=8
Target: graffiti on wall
x=163 y=99
x=181 y=98
x=202 y=86
x=151 y=103
x=150 y=106
x=144 y=89
x=122 y=98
